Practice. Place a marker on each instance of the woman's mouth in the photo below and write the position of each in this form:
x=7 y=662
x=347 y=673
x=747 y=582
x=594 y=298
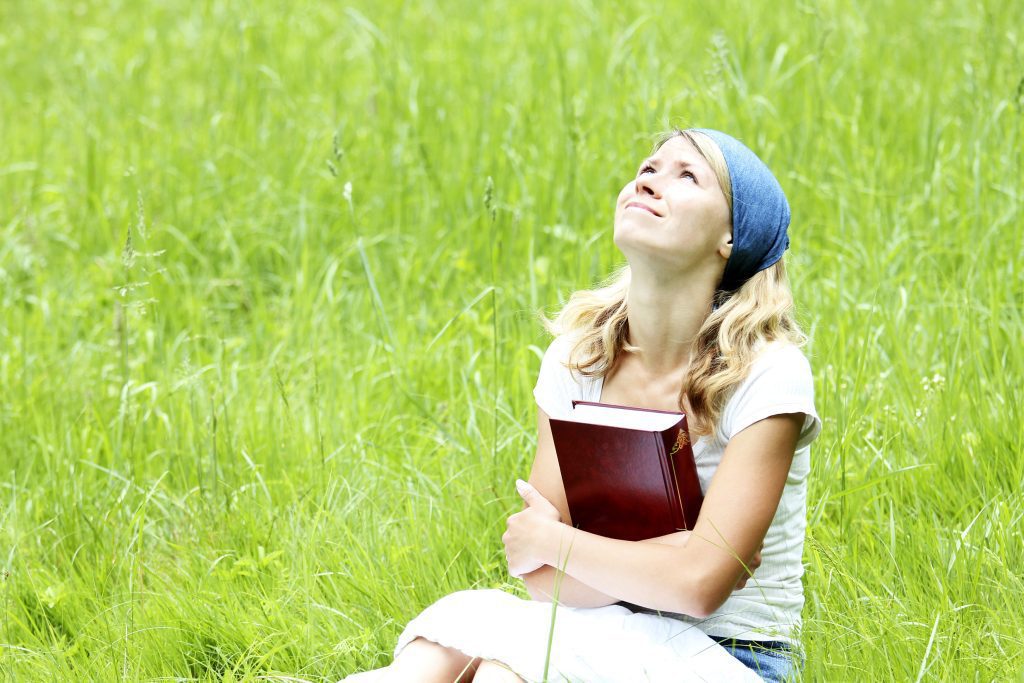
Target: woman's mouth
x=642 y=207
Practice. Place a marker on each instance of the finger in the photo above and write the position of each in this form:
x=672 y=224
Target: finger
x=533 y=497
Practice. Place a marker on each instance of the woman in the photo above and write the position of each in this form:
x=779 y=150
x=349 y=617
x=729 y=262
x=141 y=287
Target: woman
x=700 y=321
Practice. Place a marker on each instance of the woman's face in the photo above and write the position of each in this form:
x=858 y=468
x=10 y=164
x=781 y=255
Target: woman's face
x=673 y=215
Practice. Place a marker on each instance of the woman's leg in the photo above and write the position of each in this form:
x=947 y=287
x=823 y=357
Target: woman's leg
x=493 y=672
x=424 y=661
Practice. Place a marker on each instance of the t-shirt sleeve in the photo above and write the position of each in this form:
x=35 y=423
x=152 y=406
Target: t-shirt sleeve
x=779 y=382
x=553 y=389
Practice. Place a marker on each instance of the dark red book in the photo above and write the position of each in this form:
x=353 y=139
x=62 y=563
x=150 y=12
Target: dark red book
x=628 y=472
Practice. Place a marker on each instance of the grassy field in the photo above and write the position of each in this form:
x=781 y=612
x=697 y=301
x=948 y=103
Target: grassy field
x=270 y=275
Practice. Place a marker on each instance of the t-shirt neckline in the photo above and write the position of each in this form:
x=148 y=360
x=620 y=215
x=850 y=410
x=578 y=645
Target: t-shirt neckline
x=598 y=388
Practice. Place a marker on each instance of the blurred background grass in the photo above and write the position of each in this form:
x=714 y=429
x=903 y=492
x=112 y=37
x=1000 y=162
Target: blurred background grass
x=270 y=274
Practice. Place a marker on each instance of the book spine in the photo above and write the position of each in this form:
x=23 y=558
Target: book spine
x=675 y=500
x=691 y=496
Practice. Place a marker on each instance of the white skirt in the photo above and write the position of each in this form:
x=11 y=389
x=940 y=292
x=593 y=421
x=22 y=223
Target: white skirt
x=598 y=645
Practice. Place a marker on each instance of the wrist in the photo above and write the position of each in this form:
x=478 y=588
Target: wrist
x=560 y=538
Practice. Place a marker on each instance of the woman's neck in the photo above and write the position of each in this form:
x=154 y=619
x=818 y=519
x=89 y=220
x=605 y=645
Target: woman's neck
x=664 y=318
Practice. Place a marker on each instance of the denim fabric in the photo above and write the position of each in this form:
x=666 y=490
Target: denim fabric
x=760 y=212
x=775 y=663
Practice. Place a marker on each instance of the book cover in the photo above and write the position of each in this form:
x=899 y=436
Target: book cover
x=628 y=472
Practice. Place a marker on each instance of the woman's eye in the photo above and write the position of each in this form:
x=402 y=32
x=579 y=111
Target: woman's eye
x=648 y=167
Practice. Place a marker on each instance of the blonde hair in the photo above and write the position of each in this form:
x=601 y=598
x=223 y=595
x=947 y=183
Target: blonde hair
x=760 y=311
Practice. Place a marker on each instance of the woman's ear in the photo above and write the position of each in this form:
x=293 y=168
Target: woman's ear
x=725 y=249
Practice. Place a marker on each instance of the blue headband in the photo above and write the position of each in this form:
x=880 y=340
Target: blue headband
x=760 y=212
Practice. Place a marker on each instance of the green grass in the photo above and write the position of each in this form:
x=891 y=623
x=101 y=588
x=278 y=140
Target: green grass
x=265 y=433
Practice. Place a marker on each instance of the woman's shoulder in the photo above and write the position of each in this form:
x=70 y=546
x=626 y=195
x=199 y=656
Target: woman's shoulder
x=557 y=385
x=777 y=367
x=559 y=348
x=558 y=354
x=779 y=381
x=778 y=354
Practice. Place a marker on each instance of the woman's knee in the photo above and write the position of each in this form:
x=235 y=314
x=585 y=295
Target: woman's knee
x=423 y=660
x=494 y=672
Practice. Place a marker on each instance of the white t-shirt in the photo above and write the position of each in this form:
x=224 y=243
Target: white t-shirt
x=780 y=381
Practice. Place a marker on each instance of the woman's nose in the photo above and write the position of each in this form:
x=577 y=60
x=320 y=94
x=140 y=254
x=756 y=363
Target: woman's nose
x=644 y=183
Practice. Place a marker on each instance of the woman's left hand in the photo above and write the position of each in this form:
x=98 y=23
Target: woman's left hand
x=529 y=533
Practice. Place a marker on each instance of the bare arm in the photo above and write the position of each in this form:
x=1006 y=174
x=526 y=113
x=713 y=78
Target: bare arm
x=540 y=584
x=697 y=577
x=572 y=592
x=547 y=479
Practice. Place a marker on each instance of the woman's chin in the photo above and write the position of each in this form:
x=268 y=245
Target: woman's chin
x=640 y=243
x=631 y=237
x=656 y=259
